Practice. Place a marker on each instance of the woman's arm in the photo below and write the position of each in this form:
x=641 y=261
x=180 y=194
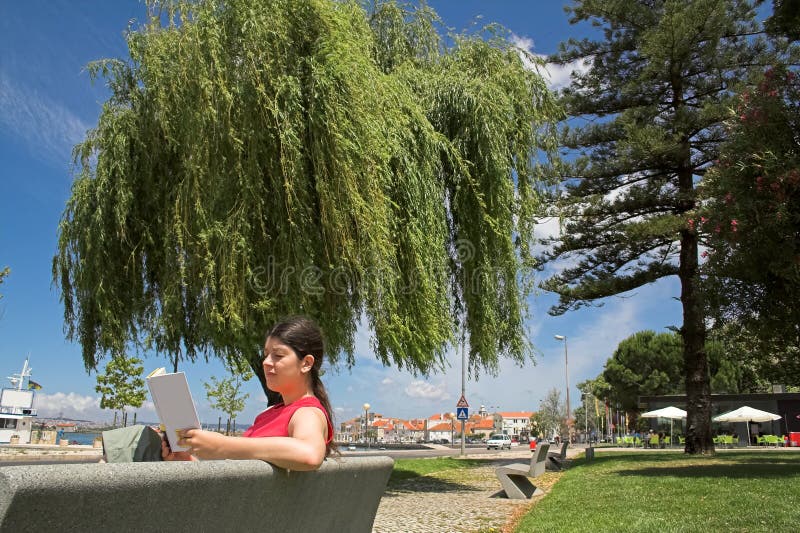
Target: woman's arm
x=303 y=449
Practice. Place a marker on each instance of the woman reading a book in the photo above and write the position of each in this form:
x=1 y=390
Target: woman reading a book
x=295 y=434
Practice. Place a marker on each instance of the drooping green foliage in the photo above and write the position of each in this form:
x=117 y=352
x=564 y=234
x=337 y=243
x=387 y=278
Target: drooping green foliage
x=751 y=223
x=259 y=158
x=3 y=273
x=649 y=114
x=122 y=384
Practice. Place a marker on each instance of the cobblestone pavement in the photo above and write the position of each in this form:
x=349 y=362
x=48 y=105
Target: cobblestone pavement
x=463 y=501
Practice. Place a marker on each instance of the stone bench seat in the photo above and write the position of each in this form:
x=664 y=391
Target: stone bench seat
x=343 y=495
x=514 y=478
x=558 y=460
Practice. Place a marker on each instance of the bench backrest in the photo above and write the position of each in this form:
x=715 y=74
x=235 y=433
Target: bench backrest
x=343 y=495
x=539 y=459
x=563 y=452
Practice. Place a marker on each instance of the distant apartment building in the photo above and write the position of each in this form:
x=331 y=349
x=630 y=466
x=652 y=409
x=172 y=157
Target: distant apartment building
x=514 y=423
x=482 y=428
x=438 y=426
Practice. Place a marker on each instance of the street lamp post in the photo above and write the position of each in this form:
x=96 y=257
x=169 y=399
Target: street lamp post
x=366 y=423
x=566 y=371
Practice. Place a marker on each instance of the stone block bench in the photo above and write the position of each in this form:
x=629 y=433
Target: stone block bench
x=558 y=460
x=514 y=478
x=343 y=495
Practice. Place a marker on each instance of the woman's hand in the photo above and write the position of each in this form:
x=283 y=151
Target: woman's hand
x=168 y=455
x=204 y=444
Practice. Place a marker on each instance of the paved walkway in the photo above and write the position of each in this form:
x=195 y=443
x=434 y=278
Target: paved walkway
x=463 y=501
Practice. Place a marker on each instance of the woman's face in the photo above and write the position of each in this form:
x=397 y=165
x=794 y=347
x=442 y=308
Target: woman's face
x=283 y=370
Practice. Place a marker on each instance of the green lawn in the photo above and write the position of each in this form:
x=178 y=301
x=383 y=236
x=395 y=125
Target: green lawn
x=411 y=468
x=665 y=492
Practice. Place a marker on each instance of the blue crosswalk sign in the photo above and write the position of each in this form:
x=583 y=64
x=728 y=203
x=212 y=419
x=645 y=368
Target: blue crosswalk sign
x=462 y=413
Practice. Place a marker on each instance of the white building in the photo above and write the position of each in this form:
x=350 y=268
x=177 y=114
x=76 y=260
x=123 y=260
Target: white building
x=514 y=423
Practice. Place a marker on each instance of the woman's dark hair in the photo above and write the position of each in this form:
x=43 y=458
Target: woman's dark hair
x=302 y=335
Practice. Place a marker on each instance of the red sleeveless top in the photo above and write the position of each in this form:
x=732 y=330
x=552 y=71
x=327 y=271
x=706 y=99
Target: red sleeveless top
x=274 y=422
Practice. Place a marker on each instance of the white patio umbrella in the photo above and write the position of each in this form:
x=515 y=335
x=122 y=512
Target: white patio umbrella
x=673 y=413
x=746 y=414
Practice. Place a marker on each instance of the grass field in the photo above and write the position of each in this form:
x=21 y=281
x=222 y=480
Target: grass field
x=411 y=468
x=665 y=492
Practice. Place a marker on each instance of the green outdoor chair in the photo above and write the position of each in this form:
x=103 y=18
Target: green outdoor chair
x=761 y=441
x=668 y=441
x=654 y=441
x=681 y=440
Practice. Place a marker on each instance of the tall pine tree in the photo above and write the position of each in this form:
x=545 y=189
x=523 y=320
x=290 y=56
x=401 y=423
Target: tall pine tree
x=649 y=112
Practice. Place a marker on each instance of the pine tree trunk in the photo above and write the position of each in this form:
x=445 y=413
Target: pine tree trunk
x=695 y=360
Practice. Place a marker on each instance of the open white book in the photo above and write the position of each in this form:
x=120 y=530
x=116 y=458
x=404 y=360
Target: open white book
x=174 y=405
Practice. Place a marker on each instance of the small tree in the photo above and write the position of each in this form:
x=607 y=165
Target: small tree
x=550 y=419
x=225 y=394
x=122 y=385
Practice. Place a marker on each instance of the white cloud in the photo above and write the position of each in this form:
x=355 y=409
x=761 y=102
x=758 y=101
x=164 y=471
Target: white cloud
x=46 y=127
x=558 y=76
x=561 y=75
x=522 y=42
x=428 y=391
x=69 y=405
x=387 y=381
x=82 y=407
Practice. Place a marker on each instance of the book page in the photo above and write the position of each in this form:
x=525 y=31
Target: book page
x=174 y=405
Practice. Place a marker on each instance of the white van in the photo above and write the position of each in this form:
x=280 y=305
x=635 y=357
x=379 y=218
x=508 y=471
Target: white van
x=499 y=441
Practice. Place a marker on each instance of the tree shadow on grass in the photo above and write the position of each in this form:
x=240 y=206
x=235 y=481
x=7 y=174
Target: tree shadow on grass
x=748 y=470
x=419 y=484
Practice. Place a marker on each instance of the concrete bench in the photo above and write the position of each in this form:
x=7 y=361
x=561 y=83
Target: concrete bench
x=558 y=460
x=343 y=495
x=514 y=478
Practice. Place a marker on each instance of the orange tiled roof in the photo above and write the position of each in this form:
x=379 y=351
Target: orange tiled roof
x=516 y=414
x=486 y=423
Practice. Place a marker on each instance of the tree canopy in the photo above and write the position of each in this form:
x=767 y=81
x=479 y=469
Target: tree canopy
x=259 y=158
x=551 y=417
x=649 y=114
x=646 y=363
x=122 y=384
x=750 y=223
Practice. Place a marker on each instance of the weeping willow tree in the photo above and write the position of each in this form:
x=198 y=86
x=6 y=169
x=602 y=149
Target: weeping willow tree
x=258 y=158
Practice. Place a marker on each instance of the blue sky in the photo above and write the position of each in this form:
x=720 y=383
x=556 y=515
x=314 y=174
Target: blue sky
x=46 y=105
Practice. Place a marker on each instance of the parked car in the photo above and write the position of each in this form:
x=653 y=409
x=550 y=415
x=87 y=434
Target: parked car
x=499 y=441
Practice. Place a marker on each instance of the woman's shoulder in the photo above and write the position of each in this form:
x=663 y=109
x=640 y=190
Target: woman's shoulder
x=308 y=401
